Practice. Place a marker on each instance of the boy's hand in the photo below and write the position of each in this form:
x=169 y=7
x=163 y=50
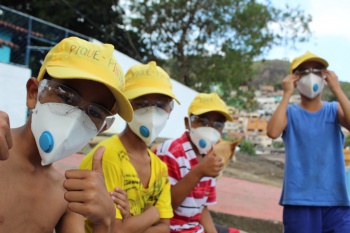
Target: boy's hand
x=87 y=194
x=120 y=198
x=289 y=83
x=211 y=165
x=332 y=80
x=5 y=136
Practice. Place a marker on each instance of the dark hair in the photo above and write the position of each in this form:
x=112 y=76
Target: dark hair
x=47 y=76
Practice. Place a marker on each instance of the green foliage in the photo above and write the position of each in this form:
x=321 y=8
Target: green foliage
x=329 y=96
x=214 y=43
x=347 y=141
x=243 y=100
x=228 y=138
x=247 y=147
x=278 y=145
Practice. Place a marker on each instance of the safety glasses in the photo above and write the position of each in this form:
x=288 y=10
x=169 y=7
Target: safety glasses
x=165 y=104
x=205 y=122
x=303 y=72
x=54 y=92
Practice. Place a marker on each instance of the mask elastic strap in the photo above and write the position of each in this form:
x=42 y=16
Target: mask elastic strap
x=189 y=123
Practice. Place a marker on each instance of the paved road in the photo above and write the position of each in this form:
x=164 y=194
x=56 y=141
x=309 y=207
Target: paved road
x=236 y=197
x=248 y=199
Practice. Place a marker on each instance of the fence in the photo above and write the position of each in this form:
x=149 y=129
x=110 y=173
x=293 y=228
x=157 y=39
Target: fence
x=25 y=40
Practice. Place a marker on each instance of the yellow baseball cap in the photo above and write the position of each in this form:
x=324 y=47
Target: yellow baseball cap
x=75 y=58
x=308 y=56
x=147 y=79
x=204 y=103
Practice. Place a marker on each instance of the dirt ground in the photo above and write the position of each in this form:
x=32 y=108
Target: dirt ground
x=265 y=169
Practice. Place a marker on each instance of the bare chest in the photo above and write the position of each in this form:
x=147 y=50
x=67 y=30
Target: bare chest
x=30 y=203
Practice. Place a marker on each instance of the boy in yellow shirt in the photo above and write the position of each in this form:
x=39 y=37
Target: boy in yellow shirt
x=128 y=164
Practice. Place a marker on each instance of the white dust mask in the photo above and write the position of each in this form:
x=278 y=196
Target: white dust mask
x=147 y=123
x=310 y=85
x=204 y=138
x=60 y=130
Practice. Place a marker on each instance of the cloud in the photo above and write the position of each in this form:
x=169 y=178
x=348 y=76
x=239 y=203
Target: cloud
x=330 y=35
x=330 y=19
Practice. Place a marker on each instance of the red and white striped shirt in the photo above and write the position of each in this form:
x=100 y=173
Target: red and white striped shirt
x=180 y=157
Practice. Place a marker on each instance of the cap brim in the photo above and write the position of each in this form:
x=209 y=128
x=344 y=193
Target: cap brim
x=202 y=111
x=125 y=110
x=315 y=59
x=137 y=92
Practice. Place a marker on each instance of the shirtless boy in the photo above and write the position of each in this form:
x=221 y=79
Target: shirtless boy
x=75 y=95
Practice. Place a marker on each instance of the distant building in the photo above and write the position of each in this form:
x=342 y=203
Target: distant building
x=236 y=127
x=267 y=105
x=267 y=90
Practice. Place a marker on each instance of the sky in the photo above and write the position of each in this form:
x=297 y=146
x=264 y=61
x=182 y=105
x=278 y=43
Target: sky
x=330 y=37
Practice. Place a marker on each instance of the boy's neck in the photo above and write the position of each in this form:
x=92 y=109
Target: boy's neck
x=132 y=142
x=311 y=105
x=26 y=151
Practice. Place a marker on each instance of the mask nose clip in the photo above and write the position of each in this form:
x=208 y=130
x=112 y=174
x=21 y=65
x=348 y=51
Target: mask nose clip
x=46 y=141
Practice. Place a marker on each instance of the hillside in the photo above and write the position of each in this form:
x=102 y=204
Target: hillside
x=272 y=72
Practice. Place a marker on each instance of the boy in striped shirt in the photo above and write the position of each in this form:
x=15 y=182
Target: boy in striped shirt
x=192 y=165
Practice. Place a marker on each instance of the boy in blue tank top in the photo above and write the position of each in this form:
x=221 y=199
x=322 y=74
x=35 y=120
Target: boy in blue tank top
x=314 y=193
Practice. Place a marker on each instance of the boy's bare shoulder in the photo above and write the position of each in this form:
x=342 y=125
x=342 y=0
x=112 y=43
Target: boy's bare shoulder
x=36 y=191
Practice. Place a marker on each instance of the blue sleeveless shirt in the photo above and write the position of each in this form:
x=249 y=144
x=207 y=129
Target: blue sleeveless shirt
x=314 y=161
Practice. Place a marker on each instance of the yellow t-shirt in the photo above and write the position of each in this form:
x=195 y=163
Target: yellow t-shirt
x=119 y=172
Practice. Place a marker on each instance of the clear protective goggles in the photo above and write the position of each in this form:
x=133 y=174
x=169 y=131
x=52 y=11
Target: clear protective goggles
x=205 y=122
x=53 y=92
x=143 y=105
x=303 y=72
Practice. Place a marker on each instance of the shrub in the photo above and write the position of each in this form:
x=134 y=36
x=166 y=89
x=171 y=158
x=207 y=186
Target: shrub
x=277 y=145
x=247 y=147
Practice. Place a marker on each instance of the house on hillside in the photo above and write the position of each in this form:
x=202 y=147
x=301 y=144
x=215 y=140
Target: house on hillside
x=256 y=132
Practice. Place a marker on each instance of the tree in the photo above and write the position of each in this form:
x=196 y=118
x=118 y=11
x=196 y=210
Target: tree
x=210 y=41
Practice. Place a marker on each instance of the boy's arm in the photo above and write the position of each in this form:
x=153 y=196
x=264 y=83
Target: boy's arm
x=207 y=222
x=344 y=103
x=209 y=166
x=278 y=120
x=161 y=227
x=139 y=223
x=70 y=223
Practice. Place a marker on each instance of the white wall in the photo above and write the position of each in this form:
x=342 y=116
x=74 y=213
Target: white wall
x=175 y=125
x=13 y=92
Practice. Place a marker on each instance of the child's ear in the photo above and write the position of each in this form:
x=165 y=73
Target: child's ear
x=32 y=92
